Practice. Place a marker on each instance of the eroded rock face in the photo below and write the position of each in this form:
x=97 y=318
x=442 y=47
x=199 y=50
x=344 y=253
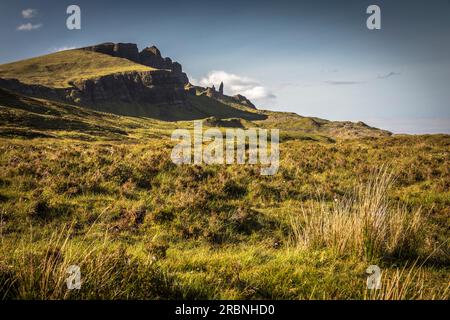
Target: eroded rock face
x=148 y=87
x=150 y=56
x=243 y=100
x=211 y=92
x=162 y=86
x=122 y=50
x=127 y=50
x=155 y=87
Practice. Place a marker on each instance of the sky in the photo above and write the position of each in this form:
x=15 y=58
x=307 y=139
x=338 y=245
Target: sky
x=314 y=58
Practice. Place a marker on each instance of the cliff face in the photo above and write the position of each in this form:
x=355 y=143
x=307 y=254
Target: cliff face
x=155 y=87
x=162 y=86
x=150 y=56
x=151 y=87
x=101 y=81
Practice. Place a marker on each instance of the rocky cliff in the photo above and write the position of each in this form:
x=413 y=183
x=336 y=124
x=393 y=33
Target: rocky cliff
x=150 y=87
x=150 y=56
x=162 y=86
x=155 y=87
x=117 y=78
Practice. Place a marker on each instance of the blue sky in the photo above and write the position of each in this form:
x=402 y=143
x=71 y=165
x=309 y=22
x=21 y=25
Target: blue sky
x=315 y=58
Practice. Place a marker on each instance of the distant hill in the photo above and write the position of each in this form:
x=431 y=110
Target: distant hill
x=63 y=90
x=95 y=77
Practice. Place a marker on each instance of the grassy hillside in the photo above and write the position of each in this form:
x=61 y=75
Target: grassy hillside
x=293 y=123
x=143 y=227
x=58 y=69
x=25 y=116
x=100 y=191
x=61 y=69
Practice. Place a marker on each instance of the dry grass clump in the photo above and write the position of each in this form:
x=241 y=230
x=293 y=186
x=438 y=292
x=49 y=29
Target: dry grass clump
x=107 y=270
x=407 y=283
x=365 y=225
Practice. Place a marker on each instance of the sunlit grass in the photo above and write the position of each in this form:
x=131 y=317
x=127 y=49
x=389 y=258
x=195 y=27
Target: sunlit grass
x=59 y=69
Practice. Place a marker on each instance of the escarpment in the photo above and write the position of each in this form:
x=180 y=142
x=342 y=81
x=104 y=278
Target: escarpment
x=162 y=84
x=150 y=56
x=150 y=87
x=118 y=78
x=154 y=87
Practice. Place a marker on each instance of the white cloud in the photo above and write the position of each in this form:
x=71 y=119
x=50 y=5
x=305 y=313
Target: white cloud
x=235 y=84
x=62 y=49
x=29 y=27
x=29 y=13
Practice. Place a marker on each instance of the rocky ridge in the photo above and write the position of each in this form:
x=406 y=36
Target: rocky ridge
x=162 y=91
x=150 y=56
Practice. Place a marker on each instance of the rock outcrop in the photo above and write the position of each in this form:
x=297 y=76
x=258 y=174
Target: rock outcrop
x=224 y=123
x=147 y=87
x=32 y=90
x=211 y=92
x=163 y=92
x=150 y=56
x=155 y=87
x=122 y=50
x=243 y=100
x=162 y=86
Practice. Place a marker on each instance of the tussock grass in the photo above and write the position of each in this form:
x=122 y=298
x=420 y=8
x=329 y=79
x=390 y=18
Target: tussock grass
x=141 y=227
x=406 y=283
x=107 y=270
x=365 y=225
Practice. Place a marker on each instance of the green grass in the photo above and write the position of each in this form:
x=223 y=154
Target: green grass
x=59 y=69
x=141 y=227
x=100 y=190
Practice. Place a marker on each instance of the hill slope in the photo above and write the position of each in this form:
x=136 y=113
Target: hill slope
x=60 y=69
x=22 y=116
x=114 y=84
x=118 y=79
